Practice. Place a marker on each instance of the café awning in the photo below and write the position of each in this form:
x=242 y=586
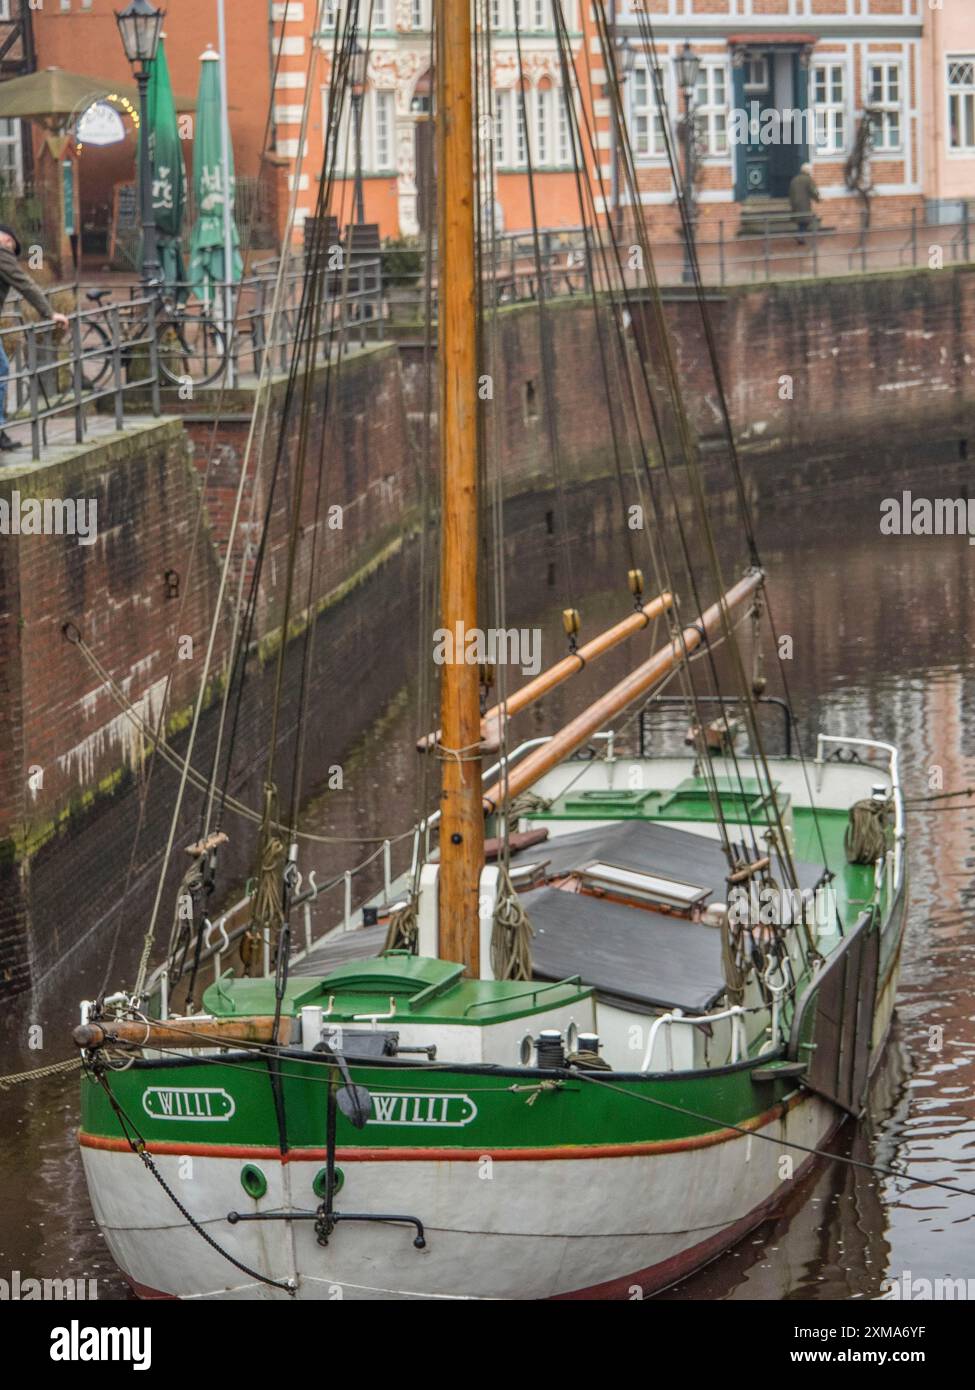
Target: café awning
x=54 y=97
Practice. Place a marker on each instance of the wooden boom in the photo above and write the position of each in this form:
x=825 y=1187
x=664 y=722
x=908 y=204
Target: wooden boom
x=637 y=683
x=555 y=675
x=195 y=1031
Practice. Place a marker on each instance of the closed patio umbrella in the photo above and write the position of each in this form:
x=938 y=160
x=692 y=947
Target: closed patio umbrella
x=168 y=169
x=207 y=245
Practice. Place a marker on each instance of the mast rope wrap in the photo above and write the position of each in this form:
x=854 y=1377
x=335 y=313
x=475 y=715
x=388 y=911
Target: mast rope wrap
x=269 y=896
x=511 y=952
x=404 y=928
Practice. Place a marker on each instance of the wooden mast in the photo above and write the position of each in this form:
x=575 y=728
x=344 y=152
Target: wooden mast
x=462 y=815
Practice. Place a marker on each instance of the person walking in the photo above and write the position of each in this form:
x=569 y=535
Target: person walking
x=802 y=194
x=14 y=277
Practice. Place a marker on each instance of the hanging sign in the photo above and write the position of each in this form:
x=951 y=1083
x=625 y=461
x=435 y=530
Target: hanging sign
x=101 y=124
x=67 y=185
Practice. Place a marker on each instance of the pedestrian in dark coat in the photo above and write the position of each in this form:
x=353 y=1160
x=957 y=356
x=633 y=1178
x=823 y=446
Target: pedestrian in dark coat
x=802 y=194
x=14 y=277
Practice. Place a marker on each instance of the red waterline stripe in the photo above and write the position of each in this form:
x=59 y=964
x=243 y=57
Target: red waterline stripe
x=660 y=1276
x=668 y=1272
x=560 y=1152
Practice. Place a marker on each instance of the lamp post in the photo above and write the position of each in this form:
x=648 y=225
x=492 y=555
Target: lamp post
x=357 y=87
x=688 y=66
x=625 y=62
x=140 y=26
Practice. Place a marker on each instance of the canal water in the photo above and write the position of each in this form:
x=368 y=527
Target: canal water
x=881 y=631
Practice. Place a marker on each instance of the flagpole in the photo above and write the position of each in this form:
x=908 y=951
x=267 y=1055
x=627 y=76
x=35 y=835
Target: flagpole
x=228 y=245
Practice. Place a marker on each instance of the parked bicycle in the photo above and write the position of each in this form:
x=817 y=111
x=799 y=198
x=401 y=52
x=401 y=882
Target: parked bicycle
x=191 y=346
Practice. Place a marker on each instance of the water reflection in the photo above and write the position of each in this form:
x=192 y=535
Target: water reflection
x=881 y=640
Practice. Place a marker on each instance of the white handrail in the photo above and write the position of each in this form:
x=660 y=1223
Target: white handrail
x=695 y=1021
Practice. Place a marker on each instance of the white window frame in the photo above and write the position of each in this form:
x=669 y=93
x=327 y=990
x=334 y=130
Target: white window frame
x=500 y=131
x=379 y=11
x=762 y=85
x=647 y=140
x=962 y=95
x=420 y=16
x=542 y=111
x=548 y=135
x=564 y=134
x=831 y=115
x=887 y=106
x=536 y=16
x=711 y=115
x=375 y=160
x=12 y=139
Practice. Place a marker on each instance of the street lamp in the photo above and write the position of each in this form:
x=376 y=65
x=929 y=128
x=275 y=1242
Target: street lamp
x=357 y=88
x=625 y=63
x=688 y=66
x=140 y=26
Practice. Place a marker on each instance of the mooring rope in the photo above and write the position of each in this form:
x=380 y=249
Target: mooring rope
x=38 y=1073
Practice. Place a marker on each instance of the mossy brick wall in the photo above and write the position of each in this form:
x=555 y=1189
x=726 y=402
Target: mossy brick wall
x=68 y=843
x=63 y=739
x=357 y=446
x=884 y=357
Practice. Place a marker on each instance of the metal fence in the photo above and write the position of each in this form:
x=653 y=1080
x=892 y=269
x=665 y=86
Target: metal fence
x=127 y=351
x=125 y=344
x=73 y=375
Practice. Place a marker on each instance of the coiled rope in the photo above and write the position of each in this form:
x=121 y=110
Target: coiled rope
x=511 y=951
x=866 y=836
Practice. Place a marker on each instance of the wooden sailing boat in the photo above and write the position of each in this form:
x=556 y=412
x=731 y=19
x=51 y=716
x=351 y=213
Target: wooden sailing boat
x=403 y=1124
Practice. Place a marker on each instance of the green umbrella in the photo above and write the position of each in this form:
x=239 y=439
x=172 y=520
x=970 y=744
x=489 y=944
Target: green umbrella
x=168 y=169
x=207 y=245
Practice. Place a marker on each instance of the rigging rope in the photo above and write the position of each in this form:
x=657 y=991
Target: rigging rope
x=511 y=951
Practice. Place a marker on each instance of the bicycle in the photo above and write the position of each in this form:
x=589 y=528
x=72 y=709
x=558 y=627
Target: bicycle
x=190 y=346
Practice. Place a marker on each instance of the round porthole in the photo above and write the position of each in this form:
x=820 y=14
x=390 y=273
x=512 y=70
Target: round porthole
x=253 y=1181
x=571 y=1037
x=527 y=1049
x=321 y=1179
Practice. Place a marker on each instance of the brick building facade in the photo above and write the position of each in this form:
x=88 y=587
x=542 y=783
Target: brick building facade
x=910 y=62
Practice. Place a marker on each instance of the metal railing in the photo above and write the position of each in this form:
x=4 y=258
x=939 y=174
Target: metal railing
x=106 y=351
x=138 y=343
x=252 y=327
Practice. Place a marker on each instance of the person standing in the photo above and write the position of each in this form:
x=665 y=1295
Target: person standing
x=14 y=277
x=802 y=194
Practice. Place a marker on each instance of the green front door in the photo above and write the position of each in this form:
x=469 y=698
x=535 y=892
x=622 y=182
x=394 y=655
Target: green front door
x=758 y=91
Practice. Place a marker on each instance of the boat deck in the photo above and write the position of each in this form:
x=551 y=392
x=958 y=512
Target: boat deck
x=633 y=956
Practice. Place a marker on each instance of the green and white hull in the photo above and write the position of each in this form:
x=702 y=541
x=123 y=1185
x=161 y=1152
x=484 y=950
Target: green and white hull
x=524 y=1181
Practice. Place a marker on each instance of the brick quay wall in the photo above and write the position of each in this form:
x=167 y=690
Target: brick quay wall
x=815 y=372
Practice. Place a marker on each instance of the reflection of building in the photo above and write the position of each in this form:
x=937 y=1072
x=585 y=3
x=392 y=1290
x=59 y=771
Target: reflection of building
x=397 y=143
